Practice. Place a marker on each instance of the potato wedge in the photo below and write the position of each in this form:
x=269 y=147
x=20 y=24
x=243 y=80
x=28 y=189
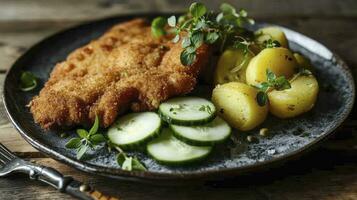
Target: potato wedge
x=236 y=103
x=231 y=66
x=279 y=60
x=300 y=98
x=274 y=33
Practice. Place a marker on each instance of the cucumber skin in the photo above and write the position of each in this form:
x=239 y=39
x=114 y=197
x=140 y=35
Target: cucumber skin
x=186 y=123
x=199 y=143
x=180 y=163
x=140 y=143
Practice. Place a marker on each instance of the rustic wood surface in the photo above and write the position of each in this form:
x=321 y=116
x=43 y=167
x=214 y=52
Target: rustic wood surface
x=329 y=172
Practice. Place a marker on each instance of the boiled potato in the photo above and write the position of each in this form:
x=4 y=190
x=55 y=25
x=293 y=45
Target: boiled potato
x=303 y=61
x=298 y=99
x=279 y=60
x=236 y=103
x=273 y=33
x=232 y=66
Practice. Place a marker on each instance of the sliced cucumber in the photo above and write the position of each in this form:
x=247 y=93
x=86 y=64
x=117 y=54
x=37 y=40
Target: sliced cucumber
x=169 y=150
x=213 y=132
x=134 y=129
x=187 y=111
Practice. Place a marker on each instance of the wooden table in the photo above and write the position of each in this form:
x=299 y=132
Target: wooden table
x=329 y=172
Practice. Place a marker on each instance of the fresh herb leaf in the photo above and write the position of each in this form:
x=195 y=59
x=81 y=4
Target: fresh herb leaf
x=73 y=143
x=199 y=27
x=157 y=26
x=262 y=98
x=95 y=126
x=197 y=39
x=186 y=42
x=271 y=43
x=188 y=56
x=137 y=165
x=129 y=163
x=81 y=151
x=281 y=83
x=86 y=139
x=28 y=81
x=277 y=83
x=97 y=139
x=82 y=133
x=211 y=37
x=197 y=10
x=270 y=75
x=171 y=21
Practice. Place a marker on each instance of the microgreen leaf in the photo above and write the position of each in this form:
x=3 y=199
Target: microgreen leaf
x=281 y=83
x=81 y=151
x=262 y=98
x=188 y=56
x=82 y=133
x=97 y=139
x=73 y=143
x=186 y=42
x=278 y=83
x=197 y=39
x=95 y=126
x=271 y=43
x=121 y=158
x=28 y=81
x=227 y=8
x=197 y=10
x=270 y=75
x=211 y=37
x=157 y=26
x=86 y=139
x=129 y=163
x=200 y=26
x=137 y=165
x=172 y=21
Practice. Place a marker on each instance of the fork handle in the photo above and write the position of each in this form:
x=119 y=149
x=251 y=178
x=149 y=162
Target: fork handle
x=66 y=183
x=85 y=192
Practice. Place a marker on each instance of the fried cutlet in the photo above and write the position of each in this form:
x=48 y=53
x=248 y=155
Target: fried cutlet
x=125 y=69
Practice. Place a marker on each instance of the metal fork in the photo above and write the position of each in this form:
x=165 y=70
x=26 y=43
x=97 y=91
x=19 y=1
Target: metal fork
x=9 y=163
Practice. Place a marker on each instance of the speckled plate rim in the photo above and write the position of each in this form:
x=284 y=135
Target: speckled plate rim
x=147 y=176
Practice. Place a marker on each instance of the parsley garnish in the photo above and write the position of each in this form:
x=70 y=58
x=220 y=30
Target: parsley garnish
x=28 y=81
x=200 y=26
x=278 y=83
x=86 y=139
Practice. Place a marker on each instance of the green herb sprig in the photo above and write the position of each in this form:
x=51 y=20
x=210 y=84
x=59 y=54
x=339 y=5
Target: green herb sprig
x=200 y=26
x=28 y=81
x=273 y=82
x=129 y=163
x=86 y=139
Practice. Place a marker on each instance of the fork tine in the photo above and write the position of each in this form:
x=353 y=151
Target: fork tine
x=6 y=153
x=2 y=161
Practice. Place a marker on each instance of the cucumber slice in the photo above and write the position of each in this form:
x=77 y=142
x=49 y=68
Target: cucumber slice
x=171 y=151
x=216 y=131
x=187 y=111
x=134 y=129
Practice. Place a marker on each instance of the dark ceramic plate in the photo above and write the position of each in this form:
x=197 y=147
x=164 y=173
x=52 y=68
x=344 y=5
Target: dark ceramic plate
x=288 y=137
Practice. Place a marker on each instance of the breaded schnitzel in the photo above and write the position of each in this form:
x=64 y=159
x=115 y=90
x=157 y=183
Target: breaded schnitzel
x=126 y=68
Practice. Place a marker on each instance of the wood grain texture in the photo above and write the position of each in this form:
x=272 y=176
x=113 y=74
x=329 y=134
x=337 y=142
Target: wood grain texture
x=330 y=172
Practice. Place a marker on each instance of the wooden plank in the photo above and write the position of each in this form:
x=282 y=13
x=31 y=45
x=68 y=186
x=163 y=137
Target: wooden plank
x=62 y=10
x=337 y=34
x=333 y=176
